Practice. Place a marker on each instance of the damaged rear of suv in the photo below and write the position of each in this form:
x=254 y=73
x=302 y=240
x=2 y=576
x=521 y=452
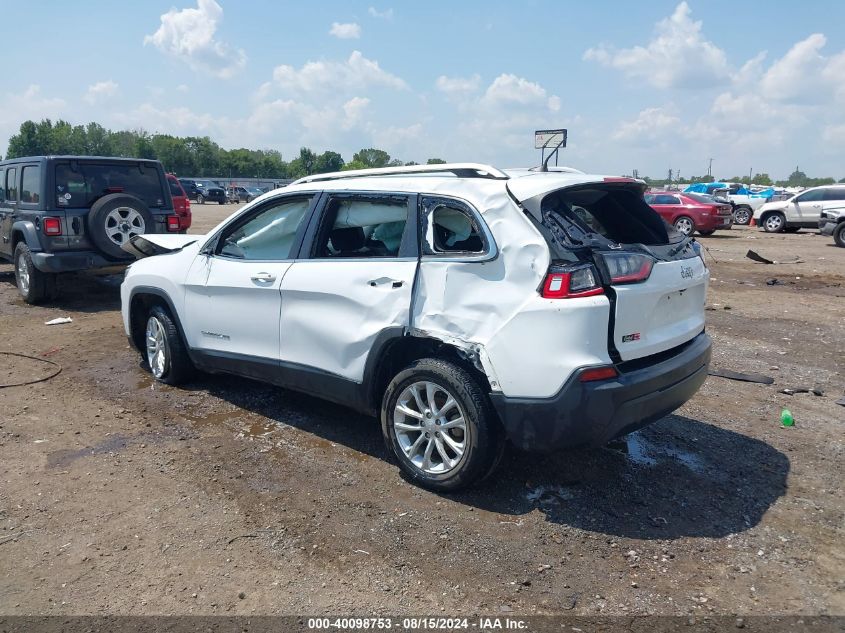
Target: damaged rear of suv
x=464 y=305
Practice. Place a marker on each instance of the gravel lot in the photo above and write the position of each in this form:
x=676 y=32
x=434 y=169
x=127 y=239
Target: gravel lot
x=121 y=496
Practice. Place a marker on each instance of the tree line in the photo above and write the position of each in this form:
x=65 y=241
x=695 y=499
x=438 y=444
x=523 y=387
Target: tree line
x=197 y=156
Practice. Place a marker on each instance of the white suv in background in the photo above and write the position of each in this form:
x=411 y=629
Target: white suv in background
x=802 y=210
x=462 y=304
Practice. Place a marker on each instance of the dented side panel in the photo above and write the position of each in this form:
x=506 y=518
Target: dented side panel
x=526 y=345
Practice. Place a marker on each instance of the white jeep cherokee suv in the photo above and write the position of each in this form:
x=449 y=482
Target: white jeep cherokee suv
x=803 y=210
x=462 y=304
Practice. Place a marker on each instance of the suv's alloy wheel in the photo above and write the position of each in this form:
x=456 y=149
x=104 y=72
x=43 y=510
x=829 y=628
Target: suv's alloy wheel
x=684 y=225
x=33 y=284
x=439 y=424
x=124 y=223
x=742 y=215
x=774 y=222
x=166 y=355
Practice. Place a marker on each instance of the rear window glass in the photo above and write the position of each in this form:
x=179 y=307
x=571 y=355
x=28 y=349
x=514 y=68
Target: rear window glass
x=700 y=197
x=82 y=184
x=175 y=188
x=620 y=215
x=835 y=194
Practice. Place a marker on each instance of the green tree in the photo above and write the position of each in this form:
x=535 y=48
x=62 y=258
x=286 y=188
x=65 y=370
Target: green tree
x=435 y=161
x=328 y=162
x=372 y=158
x=355 y=164
x=25 y=142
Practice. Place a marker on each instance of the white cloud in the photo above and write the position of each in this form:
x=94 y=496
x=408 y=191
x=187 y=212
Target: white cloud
x=387 y=14
x=100 y=91
x=677 y=55
x=354 y=110
x=355 y=73
x=345 y=31
x=650 y=125
x=188 y=34
x=30 y=104
x=798 y=75
x=834 y=135
x=458 y=85
x=508 y=90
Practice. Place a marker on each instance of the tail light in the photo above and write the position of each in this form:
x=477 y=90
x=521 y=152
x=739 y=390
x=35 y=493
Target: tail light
x=628 y=268
x=52 y=226
x=173 y=223
x=569 y=282
x=598 y=373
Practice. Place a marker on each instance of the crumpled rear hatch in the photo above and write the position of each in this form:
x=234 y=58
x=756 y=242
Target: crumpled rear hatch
x=654 y=276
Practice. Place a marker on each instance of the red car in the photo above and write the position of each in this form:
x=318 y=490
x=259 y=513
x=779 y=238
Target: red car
x=181 y=204
x=689 y=212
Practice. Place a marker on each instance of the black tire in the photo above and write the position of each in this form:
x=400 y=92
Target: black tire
x=685 y=225
x=792 y=229
x=774 y=222
x=248 y=199
x=200 y=199
x=102 y=223
x=222 y=202
x=176 y=367
x=706 y=233
x=839 y=234
x=743 y=215
x=33 y=285
x=483 y=437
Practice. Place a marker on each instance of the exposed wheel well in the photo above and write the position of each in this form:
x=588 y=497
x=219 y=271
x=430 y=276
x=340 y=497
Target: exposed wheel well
x=139 y=308
x=17 y=238
x=402 y=351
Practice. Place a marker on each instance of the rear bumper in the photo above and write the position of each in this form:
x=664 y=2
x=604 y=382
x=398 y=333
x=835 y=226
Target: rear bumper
x=593 y=413
x=714 y=222
x=72 y=260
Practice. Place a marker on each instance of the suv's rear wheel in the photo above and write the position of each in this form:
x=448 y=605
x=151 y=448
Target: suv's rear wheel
x=115 y=219
x=34 y=285
x=165 y=352
x=200 y=199
x=438 y=422
x=742 y=215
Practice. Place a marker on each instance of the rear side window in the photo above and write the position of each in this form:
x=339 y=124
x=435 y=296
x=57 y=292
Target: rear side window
x=82 y=184
x=11 y=184
x=362 y=227
x=835 y=194
x=31 y=183
x=453 y=228
x=2 y=184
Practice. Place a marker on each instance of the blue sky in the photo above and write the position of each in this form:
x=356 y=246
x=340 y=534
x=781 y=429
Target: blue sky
x=654 y=86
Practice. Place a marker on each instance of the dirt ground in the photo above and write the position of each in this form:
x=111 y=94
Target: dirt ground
x=121 y=496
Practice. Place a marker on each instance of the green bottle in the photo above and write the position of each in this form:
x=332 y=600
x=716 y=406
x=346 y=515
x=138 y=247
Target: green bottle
x=786 y=418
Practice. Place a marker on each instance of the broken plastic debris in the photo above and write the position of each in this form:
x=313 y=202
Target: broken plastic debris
x=763 y=260
x=735 y=375
x=59 y=321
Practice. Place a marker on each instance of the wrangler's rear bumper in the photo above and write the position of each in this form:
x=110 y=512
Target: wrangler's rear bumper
x=593 y=413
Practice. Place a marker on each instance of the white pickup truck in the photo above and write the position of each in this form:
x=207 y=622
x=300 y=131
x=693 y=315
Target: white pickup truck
x=744 y=205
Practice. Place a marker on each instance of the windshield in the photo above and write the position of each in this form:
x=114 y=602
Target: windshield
x=81 y=184
x=205 y=183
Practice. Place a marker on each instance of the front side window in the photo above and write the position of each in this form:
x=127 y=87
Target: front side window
x=270 y=235
x=30 y=183
x=811 y=196
x=11 y=184
x=362 y=227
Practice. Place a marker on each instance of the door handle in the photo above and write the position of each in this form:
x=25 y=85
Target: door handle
x=394 y=283
x=263 y=277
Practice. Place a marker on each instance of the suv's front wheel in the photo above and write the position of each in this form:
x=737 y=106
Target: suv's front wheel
x=34 y=285
x=439 y=423
x=165 y=352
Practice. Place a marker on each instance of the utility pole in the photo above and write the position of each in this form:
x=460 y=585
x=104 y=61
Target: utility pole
x=750 y=169
x=710 y=168
x=670 y=175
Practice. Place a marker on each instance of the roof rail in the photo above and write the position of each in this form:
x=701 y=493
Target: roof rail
x=461 y=170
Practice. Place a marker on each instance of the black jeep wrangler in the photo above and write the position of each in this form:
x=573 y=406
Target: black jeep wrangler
x=70 y=213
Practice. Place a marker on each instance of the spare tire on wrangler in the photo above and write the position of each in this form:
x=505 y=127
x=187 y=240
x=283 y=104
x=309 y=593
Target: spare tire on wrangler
x=115 y=219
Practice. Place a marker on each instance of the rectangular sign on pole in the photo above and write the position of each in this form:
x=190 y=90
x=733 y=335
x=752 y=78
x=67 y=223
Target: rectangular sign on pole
x=549 y=139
